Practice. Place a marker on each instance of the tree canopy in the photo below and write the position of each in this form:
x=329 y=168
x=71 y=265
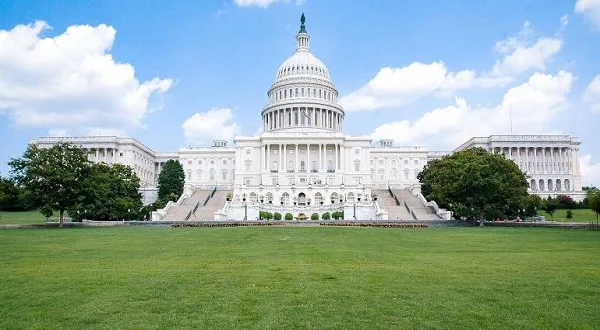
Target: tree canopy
x=593 y=196
x=475 y=183
x=171 y=180
x=111 y=194
x=54 y=177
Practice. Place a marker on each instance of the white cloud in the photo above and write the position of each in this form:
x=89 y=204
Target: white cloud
x=590 y=173
x=590 y=9
x=71 y=80
x=591 y=95
x=262 y=3
x=399 y=86
x=533 y=105
x=394 y=87
x=521 y=54
x=217 y=123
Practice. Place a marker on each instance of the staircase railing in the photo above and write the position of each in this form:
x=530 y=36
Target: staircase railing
x=394 y=196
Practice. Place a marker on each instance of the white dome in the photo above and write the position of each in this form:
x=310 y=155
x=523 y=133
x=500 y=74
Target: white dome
x=303 y=63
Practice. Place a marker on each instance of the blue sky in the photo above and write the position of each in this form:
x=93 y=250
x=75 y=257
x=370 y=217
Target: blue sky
x=180 y=73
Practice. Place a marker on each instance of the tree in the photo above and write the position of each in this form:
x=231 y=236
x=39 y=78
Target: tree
x=593 y=196
x=46 y=211
x=111 y=194
x=565 y=202
x=289 y=216
x=569 y=214
x=277 y=216
x=53 y=176
x=314 y=216
x=531 y=204
x=549 y=206
x=326 y=216
x=13 y=196
x=474 y=183
x=171 y=180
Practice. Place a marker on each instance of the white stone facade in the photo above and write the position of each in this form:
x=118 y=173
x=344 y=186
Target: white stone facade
x=550 y=162
x=303 y=158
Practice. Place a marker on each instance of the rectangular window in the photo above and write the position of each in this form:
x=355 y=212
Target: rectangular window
x=224 y=174
x=274 y=180
x=224 y=161
x=356 y=167
x=381 y=162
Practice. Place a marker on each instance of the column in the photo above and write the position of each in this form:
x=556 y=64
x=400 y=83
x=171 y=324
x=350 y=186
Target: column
x=284 y=156
x=335 y=151
x=268 y=156
x=280 y=157
x=308 y=167
x=319 y=158
x=296 y=165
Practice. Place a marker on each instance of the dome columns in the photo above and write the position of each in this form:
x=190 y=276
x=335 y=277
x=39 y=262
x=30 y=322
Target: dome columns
x=303 y=116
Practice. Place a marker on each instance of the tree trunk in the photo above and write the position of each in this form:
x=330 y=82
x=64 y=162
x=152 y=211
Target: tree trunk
x=60 y=221
x=481 y=216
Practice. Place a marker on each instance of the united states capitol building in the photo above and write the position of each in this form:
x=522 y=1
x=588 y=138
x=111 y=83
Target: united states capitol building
x=303 y=162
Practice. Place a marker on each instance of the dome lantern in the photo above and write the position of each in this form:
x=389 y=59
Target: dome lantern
x=302 y=37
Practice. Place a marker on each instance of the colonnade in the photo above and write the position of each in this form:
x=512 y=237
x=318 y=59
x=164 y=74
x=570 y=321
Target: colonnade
x=303 y=117
x=296 y=162
x=543 y=160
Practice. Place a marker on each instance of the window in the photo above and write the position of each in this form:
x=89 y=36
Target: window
x=224 y=161
x=189 y=162
x=406 y=162
x=247 y=151
x=381 y=162
x=357 y=166
x=274 y=180
x=199 y=175
x=224 y=176
x=212 y=162
x=200 y=162
x=416 y=162
x=291 y=180
x=302 y=166
x=211 y=174
x=121 y=154
x=247 y=181
x=248 y=165
x=381 y=174
x=356 y=151
x=188 y=174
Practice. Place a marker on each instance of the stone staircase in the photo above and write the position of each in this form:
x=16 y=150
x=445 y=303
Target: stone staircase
x=214 y=204
x=422 y=212
x=388 y=203
x=179 y=212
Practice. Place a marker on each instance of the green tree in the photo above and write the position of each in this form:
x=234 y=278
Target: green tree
x=53 y=176
x=13 y=197
x=326 y=216
x=277 y=216
x=111 y=194
x=593 y=196
x=289 y=216
x=314 y=216
x=474 y=183
x=531 y=204
x=569 y=214
x=46 y=211
x=549 y=206
x=268 y=215
x=171 y=180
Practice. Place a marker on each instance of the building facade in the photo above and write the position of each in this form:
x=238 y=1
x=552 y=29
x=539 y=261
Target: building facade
x=304 y=158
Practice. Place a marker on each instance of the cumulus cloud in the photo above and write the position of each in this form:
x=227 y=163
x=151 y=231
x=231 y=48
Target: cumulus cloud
x=217 y=123
x=262 y=3
x=590 y=173
x=522 y=54
x=394 y=87
x=590 y=9
x=399 y=86
x=591 y=95
x=71 y=81
x=532 y=105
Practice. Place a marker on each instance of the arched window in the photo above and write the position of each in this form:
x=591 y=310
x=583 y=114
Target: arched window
x=313 y=166
x=550 y=185
x=334 y=197
x=274 y=166
x=253 y=197
x=211 y=174
x=394 y=174
x=533 y=185
x=558 y=185
x=296 y=95
x=350 y=197
x=285 y=198
x=567 y=185
x=541 y=185
x=357 y=165
x=269 y=198
x=290 y=166
x=318 y=199
x=330 y=166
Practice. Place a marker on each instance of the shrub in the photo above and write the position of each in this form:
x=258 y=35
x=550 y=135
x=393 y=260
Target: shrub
x=326 y=216
x=289 y=216
x=569 y=214
x=268 y=215
x=277 y=216
x=314 y=216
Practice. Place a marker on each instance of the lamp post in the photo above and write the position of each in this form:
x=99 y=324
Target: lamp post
x=245 y=209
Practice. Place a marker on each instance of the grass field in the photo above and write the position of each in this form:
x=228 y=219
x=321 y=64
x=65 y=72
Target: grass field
x=579 y=215
x=299 y=278
x=22 y=217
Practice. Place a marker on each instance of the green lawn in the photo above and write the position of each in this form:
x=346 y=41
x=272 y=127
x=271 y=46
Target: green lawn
x=299 y=278
x=579 y=215
x=22 y=217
